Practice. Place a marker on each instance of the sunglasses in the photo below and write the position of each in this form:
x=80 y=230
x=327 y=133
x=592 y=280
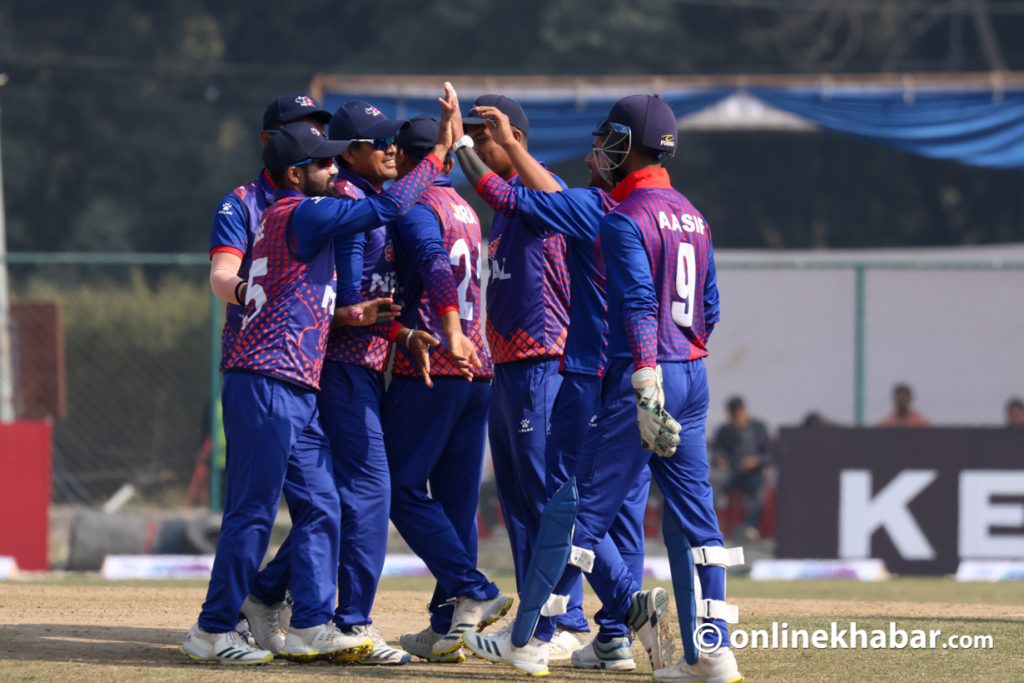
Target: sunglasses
x=380 y=144
x=319 y=163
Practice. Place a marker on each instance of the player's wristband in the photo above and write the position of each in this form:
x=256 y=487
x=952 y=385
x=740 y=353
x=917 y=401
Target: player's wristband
x=240 y=297
x=408 y=337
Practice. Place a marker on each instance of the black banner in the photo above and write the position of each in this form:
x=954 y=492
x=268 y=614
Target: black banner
x=919 y=499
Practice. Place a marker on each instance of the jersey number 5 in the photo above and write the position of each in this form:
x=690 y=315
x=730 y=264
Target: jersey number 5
x=686 y=285
x=254 y=293
x=461 y=253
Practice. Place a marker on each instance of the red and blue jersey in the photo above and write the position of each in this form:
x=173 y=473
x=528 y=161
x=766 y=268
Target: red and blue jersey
x=237 y=220
x=289 y=302
x=528 y=289
x=575 y=213
x=438 y=255
x=662 y=286
x=366 y=270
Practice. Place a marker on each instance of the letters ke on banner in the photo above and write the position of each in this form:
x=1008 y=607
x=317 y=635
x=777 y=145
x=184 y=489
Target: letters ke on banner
x=919 y=499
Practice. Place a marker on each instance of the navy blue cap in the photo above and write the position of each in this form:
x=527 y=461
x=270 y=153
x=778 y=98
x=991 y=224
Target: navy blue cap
x=296 y=142
x=506 y=105
x=358 y=120
x=418 y=133
x=292 y=107
x=652 y=122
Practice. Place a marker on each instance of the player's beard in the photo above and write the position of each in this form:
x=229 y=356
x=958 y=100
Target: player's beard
x=311 y=187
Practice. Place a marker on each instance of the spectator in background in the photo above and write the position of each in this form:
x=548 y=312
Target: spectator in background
x=903 y=414
x=1015 y=413
x=742 y=449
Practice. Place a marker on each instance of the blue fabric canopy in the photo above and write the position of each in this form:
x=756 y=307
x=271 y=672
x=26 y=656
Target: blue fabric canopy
x=980 y=128
x=977 y=128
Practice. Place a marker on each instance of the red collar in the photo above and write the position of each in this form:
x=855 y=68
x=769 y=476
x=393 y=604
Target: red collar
x=269 y=180
x=652 y=176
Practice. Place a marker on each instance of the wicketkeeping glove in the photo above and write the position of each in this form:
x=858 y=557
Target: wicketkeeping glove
x=659 y=432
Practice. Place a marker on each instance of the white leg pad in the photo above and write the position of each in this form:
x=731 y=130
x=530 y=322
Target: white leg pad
x=582 y=558
x=718 y=609
x=718 y=556
x=556 y=605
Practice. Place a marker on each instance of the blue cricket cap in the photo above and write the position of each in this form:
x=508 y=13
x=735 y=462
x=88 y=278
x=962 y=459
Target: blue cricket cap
x=358 y=120
x=295 y=143
x=506 y=105
x=418 y=133
x=651 y=120
x=292 y=107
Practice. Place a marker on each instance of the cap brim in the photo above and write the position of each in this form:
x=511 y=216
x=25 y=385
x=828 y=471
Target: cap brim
x=474 y=120
x=330 y=149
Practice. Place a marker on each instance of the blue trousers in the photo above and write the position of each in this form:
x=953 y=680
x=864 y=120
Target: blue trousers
x=573 y=416
x=350 y=408
x=435 y=437
x=610 y=463
x=274 y=441
x=521 y=405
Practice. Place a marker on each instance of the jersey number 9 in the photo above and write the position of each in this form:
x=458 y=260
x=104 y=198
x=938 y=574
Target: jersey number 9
x=686 y=285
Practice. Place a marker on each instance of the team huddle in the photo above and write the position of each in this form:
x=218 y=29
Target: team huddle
x=600 y=302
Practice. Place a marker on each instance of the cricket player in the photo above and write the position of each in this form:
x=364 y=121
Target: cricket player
x=527 y=325
x=269 y=396
x=435 y=432
x=576 y=213
x=662 y=307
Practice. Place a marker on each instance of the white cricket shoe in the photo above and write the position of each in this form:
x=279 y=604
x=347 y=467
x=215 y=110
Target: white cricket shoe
x=382 y=653
x=421 y=644
x=532 y=659
x=615 y=655
x=563 y=643
x=264 y=624
x=716 y=667
x=471 y=615
x=325 y=641
x=649 y=618
x=225 y=648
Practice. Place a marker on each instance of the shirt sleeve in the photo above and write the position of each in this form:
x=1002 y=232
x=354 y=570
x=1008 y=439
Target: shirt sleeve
x=630 y=281
x=576 y=212
x=230 y=227
x=420 y=232
x=711 y=306
x=319 y=219
x=348 y=261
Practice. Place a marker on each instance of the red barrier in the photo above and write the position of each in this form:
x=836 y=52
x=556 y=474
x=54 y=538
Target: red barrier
x=25 y=492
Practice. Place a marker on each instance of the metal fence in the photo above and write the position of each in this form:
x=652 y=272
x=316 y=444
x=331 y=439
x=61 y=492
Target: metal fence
x=121 y=351
x=115 y=349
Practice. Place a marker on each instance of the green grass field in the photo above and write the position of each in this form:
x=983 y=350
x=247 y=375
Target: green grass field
x=86 y=629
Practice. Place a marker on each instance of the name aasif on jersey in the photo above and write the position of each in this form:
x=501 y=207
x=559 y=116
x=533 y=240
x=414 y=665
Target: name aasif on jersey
x=684 y=223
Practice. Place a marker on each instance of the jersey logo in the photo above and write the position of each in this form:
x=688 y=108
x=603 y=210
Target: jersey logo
x=225 y=209
x=384 y=284
x=524 y=426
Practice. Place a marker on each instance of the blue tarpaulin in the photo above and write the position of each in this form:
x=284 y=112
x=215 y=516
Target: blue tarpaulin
x=981 y=128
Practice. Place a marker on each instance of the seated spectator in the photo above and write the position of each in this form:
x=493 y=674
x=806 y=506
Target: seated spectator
x=1015 y=413
x=743 y=448
x=903 y=414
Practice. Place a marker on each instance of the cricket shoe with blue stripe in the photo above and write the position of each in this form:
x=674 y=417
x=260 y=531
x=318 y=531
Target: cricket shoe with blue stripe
x=382 y=653
x=325 y=642
x=471 y=615
x=615 y=655
x=224 y=648
x=715 y=667
x=532 y=659
x=421 y=644
x=648 y=616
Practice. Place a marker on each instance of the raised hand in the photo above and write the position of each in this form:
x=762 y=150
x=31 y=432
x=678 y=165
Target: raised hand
x=498 y=125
